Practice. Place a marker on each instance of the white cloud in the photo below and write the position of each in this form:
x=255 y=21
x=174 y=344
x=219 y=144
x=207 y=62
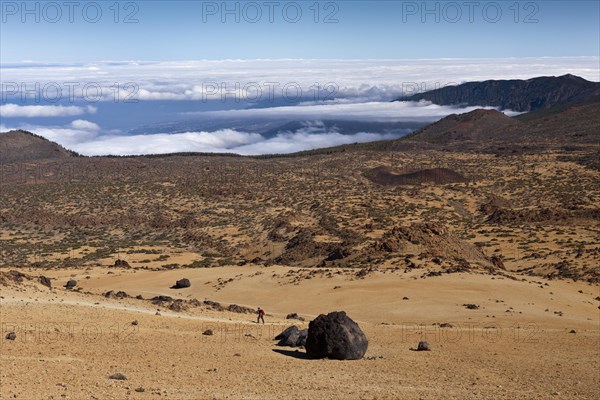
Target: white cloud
x=304 y=140
x=89 y=142
x=373 y=80
x=372 y=111
x=84 y=125
x=15 y=111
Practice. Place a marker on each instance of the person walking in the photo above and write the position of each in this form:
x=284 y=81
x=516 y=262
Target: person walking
x=261 y=315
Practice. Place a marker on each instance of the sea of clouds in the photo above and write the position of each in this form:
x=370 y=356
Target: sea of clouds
x=312 y=90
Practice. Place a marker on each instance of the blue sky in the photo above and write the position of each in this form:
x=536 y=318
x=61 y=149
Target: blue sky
x=188 y=30
x=193 y=68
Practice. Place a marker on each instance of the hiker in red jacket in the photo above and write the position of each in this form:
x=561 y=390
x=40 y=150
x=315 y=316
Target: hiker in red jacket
x=261 y=315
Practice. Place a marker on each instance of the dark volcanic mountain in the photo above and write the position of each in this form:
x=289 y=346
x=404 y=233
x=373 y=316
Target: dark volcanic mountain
x=25 y=146
x=477 y=125
x=576 y=125
x=517 y=95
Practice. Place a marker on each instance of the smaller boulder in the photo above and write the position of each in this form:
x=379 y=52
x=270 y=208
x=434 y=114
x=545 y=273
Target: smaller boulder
x=292 y=337
x=71 y=284
x=294 y=316
x=118 y=376
x=45 y=281
x=423 y=346
x=182 y=284
x=240 y=309
x=208 y=332
x=121 y=264
x=161 y=298
x=11 y=336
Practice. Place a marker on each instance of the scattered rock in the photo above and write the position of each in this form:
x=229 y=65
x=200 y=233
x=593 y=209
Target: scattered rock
x=294 y=316
x=121 y=264
x=471 y=306
x=11 y=336
x=335 y=336
x=118 y=377
x=208 y=332
x=45 y=281
x=240 y=309
x=71 y=284
x=214 y=305
x=160 y=299
x=423 y=346
x=572 y=331
x=135 y=323
x=118 y=295
x=140 y=390
x=292 y=337
x=182 y=284
x=178 y=306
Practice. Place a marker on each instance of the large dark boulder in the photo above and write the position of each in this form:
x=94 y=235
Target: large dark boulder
x=181 y=284
x=335 y=336
x=292 y=337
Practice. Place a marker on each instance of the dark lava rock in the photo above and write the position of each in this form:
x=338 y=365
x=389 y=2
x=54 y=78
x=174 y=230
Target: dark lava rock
x=11 y=336
x=292 y=337
x=335 y=336
x=471 y=306
x=162 y=298
x=294 y=316
x=45 y=281
x=208 y=332
x=240 y=309
x=121 y=264
x=182 y=284
x=497 y=262
x=214 y=305
x=71 y=284
x=12 y=275
x=118 y=376
x=423 y=346
x=118 y=295
x=178 y=306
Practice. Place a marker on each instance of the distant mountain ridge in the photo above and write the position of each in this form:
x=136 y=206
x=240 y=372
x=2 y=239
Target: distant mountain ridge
x=477 y=125
x=517 y=95
x=20 y=145
x=576 y=125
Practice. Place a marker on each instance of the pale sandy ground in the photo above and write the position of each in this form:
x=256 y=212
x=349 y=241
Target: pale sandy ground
x=68 y=343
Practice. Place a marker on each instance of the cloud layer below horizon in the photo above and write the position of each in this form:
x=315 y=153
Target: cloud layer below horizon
x=83 y=137
x=371 y=80
x=363 y=90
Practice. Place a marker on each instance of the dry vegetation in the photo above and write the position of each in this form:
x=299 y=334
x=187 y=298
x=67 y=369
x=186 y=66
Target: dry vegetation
x=532 y=213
